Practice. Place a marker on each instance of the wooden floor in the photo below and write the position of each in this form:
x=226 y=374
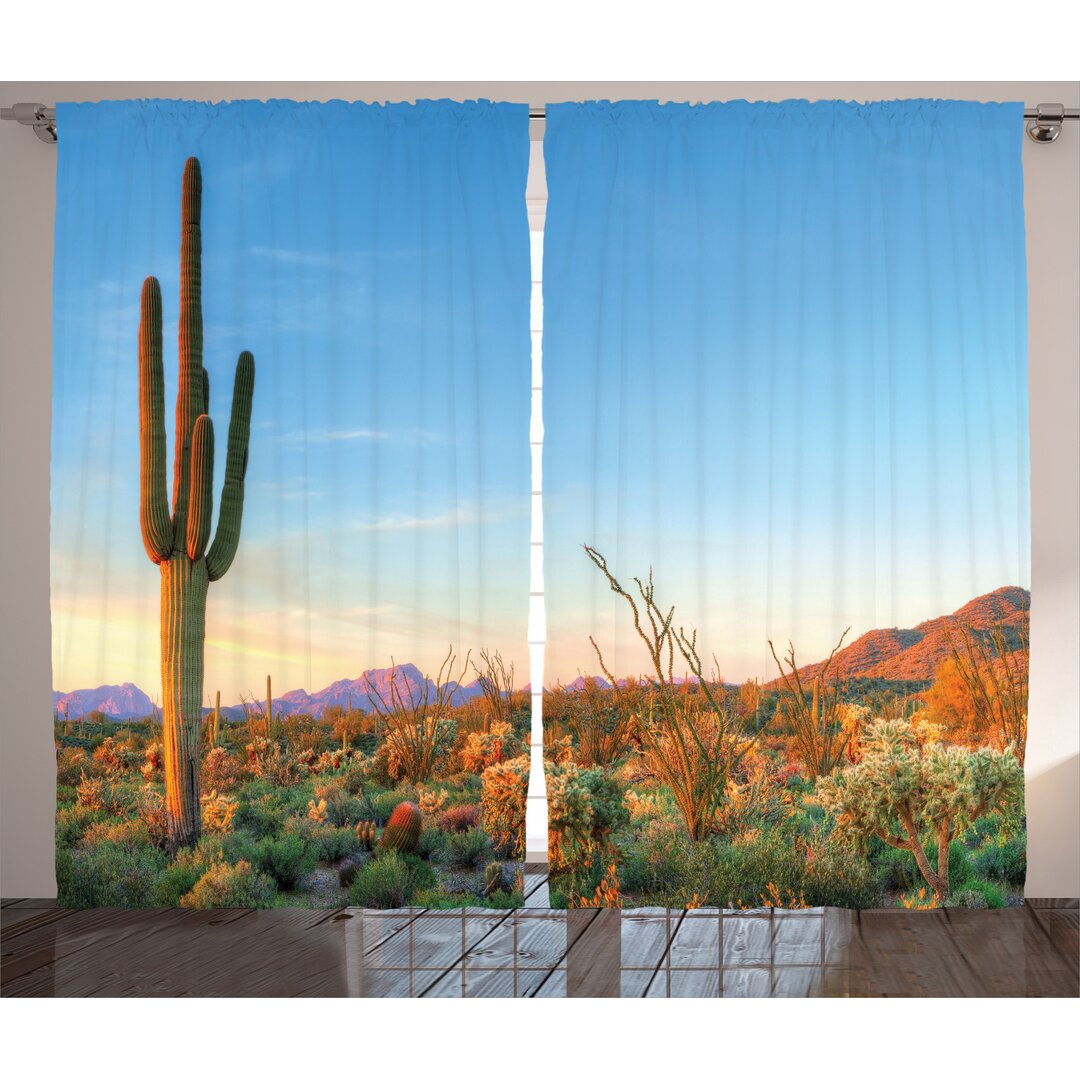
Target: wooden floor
x=1030 y=951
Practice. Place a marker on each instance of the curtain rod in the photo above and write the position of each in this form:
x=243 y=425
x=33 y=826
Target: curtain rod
x=1043 y=122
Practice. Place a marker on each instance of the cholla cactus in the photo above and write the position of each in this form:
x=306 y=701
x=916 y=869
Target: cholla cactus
x=504 y=788
x=217 y=812
x=904 y=794
x=485 y=748
x=317 y=811
x=154 y=759
x=431 y=802
x=584 y=807
x=179 y=543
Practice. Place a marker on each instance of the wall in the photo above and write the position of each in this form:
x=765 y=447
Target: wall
x=27 y=176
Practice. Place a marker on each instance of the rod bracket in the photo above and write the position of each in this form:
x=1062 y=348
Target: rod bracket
x=1045 y=126
x=35 y=115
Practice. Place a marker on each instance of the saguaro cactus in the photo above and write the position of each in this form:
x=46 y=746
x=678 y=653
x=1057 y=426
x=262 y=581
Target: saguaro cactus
x=177 y=543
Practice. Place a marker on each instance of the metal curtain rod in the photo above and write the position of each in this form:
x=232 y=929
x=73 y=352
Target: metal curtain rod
x=1043 y=122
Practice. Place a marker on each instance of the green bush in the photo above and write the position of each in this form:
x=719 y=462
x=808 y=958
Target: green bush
x=262 y=814
x=286 y=858
x=896 y=870
x=433 y=845
x=178 y=879
x=72 y=823
x=344 y=810
x=224 y=886
x=1003 y=861
x=108 y=875
x=467 y=849
x=127 y=833
x=390 y=881
x=659 y=860
x=976 y=894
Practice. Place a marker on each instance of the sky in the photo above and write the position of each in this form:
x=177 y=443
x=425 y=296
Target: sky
x=784 y=367
x=376 y=262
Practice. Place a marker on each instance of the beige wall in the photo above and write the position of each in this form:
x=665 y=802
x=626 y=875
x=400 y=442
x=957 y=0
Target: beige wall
x=27 y=175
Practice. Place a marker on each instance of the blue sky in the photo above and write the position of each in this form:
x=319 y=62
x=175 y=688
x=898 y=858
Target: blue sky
x=784 y=366
x=376 y=262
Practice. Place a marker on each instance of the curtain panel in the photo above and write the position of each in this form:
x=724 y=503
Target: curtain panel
x=786 y=504
x=290 y=551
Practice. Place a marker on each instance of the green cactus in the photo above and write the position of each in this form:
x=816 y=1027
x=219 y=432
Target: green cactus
x=215 y=721
x=365 y=833
x=177 y=543
x=269 y=707
x=493 y=878
x=402 y=832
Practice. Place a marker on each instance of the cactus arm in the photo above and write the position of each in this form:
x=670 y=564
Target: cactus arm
x=153 y=498
x=206 y=391
x=201 y=498
x=220 y=556
x=189 y=404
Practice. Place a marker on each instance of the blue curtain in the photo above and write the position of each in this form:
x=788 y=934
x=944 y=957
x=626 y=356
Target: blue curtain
x=784 y=371
x=375 y=262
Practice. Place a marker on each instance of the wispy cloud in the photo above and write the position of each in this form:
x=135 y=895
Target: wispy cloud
x=333 y=435
x=453 y=517
x=331 y=260
x=326 y=436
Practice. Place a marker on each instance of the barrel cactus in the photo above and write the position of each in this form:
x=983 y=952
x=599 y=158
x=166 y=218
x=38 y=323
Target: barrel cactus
x=179 y=543
x=402 y=832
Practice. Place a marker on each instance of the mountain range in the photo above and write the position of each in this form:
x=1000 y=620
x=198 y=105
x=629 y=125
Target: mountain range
x=916 y=653
x=893 y=654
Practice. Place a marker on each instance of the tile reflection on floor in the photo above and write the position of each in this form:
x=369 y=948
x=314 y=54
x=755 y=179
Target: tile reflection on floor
x=537 y=952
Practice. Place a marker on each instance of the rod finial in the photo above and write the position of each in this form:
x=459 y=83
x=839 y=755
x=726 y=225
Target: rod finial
x=1046 y=125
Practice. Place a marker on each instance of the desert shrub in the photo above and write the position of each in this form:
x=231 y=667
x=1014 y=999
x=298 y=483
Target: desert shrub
x=440 y=900
x=286 y=858
x=504 y=790
x=129 y=834
x=433 y=845
x=150 y=806
x=895 y=870
x=343 y=809
x=262 y=815
x=221 y=770
x=660 y=858
x=183 y=874
x=329 y=842
x=467 y=849
x=390 y=881
x=224 y=886
x=72 y=823
x=114 y=756
x=1002 y=861
x=460 y=818
x=354 y=774
x=836 y=876
x=976 y=894
x=71 y=763
x=108 y=875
